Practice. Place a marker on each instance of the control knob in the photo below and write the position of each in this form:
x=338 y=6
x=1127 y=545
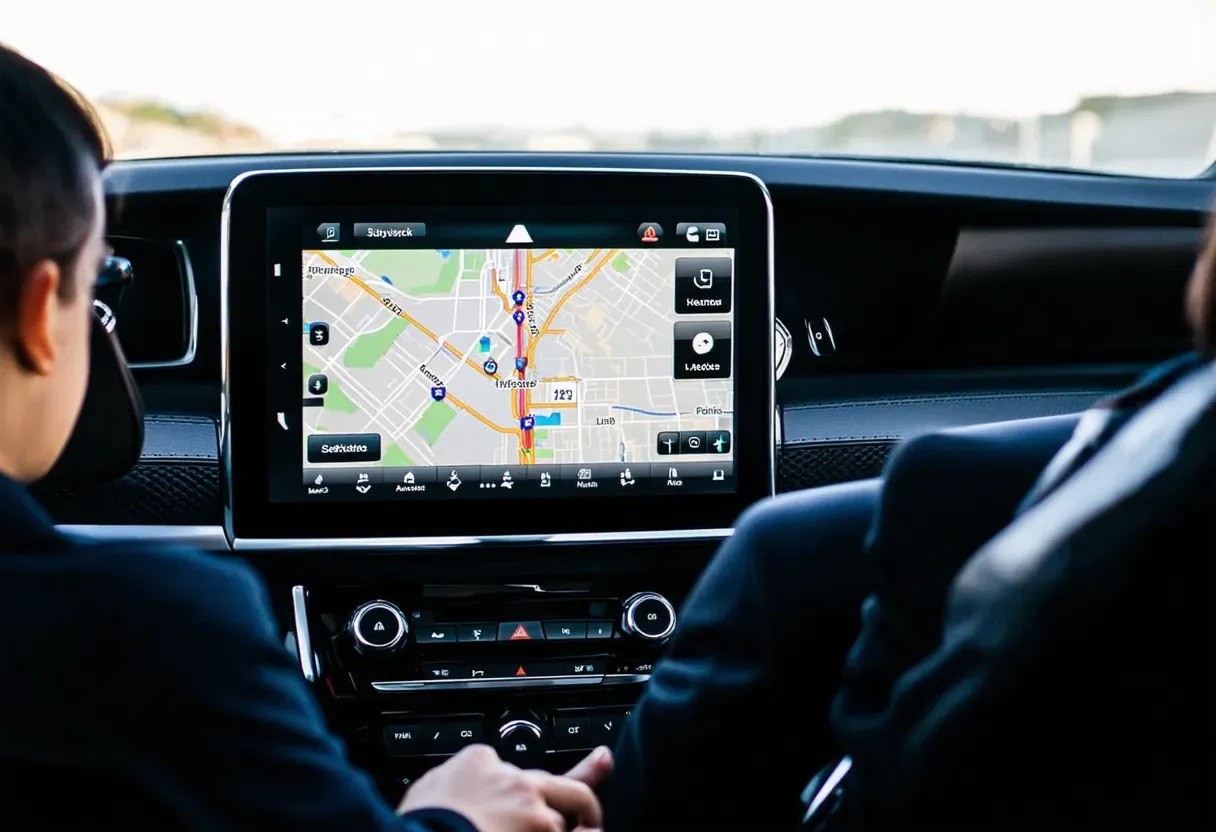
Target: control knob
x=649 y=616
x=519 y=742
x=378 y=627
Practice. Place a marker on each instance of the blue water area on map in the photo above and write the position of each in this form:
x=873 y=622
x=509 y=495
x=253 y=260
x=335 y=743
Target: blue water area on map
x=553 y=419
x=445 y=253
x=384 y=277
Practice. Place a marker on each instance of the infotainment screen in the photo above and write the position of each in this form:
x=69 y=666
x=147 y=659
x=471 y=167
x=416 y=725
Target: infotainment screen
x=498 y=352
x=514 y=370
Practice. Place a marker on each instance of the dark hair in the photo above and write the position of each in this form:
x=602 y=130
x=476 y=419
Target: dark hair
x=52 y=149
x=1201 y=294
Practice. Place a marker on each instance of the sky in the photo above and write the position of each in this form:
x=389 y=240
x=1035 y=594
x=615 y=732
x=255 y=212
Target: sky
x=368 y=68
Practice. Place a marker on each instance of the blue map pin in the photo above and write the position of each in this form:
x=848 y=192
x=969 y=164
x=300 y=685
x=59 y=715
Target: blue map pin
x=521 y=363
x=519 y=297
x=491 y=366
x=518 y=316
x=437 y=393
x=527 y=422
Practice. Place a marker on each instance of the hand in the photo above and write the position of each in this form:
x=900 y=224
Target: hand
x=592 y=770
x=498 y=797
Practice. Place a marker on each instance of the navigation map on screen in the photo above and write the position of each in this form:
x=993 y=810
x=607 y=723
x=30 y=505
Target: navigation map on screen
x=517 y=369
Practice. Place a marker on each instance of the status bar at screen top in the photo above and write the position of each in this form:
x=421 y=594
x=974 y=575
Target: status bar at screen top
x=456 y=235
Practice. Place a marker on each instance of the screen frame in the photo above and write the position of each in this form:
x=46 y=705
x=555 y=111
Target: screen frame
x=252 y=521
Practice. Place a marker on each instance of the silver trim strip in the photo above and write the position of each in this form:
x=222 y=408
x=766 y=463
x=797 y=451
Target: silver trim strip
x=211 y=538
x=532 y=682
x=271 y=544
x=191 y=311
x=299 y=609
x=409 y=542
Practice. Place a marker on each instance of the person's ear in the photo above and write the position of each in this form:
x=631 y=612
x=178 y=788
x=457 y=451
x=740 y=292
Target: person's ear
x=37 y=308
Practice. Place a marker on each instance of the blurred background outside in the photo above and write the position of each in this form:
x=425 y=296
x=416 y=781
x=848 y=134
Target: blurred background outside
x=1125 y=86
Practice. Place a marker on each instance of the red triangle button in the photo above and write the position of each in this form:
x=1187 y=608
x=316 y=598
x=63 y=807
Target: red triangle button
x=520 y=672
x=520 y=633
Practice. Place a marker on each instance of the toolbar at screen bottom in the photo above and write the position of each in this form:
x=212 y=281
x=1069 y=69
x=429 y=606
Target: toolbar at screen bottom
x=623 y=478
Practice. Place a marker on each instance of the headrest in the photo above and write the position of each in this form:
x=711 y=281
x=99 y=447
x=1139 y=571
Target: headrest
x=109 y=435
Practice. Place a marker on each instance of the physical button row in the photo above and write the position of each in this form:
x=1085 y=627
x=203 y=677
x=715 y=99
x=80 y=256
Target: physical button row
x=586 y=729
x=441 y=671
x=446 y=737
x=513 y=631
x=483 y=480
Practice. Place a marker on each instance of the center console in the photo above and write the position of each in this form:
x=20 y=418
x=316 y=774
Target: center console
x=475 y=422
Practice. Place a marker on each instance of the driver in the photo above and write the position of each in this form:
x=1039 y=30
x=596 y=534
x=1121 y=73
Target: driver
x=161 y=669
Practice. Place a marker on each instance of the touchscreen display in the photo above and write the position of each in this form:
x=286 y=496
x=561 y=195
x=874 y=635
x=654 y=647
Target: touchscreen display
x=534 y=361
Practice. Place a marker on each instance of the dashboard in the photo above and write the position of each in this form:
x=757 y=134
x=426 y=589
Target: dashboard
x=439 y=401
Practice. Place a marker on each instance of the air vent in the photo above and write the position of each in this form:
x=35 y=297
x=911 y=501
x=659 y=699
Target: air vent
x=158 y=316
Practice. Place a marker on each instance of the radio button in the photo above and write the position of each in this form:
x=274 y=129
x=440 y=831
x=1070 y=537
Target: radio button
x=583 y=667
x=443 y=671
x=436 y=634
x=403 y=740
x=599 y=629
x=571 y=732
x=565 y=630
x=520 y=631
x=450 y=737
x=605 y=727
x=477 y=632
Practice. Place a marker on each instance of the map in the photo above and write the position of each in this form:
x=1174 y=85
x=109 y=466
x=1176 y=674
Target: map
x=504 y=356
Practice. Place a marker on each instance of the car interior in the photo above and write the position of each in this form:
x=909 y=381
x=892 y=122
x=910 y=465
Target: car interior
x=874 y=301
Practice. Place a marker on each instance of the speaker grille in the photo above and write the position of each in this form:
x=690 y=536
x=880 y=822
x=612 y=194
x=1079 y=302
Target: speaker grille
x=154 y=493
x=814 y=464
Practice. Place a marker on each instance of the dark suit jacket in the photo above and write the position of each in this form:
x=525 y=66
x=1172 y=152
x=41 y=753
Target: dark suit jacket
x=1063 y=674
x=734 y=721
x=163 y=669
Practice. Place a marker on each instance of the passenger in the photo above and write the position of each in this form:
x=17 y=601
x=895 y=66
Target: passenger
x=158 y=670
x=739 y=713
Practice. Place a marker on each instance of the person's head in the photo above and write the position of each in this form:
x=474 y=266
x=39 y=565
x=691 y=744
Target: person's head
x=52 y=219
x=1201 y=294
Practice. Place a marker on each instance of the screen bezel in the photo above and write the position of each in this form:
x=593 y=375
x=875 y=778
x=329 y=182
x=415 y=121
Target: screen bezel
x=247 y=422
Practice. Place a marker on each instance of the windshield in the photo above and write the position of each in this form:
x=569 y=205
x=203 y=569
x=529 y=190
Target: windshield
x=1125 y=86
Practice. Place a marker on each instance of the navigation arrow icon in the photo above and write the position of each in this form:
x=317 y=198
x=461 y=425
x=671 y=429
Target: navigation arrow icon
x=519 y=234
x=284 y=365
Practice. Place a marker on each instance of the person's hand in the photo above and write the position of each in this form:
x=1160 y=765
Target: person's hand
x=498 y=797
x=592 y=770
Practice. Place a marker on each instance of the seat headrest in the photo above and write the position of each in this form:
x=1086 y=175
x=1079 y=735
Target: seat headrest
x=109 y=434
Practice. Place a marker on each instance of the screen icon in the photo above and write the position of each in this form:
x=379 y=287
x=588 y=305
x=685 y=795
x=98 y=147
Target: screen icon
x=627 y=478
x=650 y=232
x=718 y=441
x=519 y=234
x=318 y=334
x=329 y=232
x=546 y=480
x=281 y=418
x=703 y=285
x=719 y=475
x=692 y=442
x=453 y=481
x=668 y=442
x=318 y=384
x=701 y=349
x=695 y=232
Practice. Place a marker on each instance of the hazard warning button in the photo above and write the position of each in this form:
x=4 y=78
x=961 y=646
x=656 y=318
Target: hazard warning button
x=520 y=631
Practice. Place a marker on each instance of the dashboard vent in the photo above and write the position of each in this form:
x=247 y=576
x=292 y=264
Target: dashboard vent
x=158 y=315
x=812 y=464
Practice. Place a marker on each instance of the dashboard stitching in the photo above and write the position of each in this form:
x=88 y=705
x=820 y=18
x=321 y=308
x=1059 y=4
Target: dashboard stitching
x=948 y=399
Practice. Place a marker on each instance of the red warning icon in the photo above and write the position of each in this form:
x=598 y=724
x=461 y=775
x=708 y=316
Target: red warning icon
x=519 y=634
x=521 y=672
